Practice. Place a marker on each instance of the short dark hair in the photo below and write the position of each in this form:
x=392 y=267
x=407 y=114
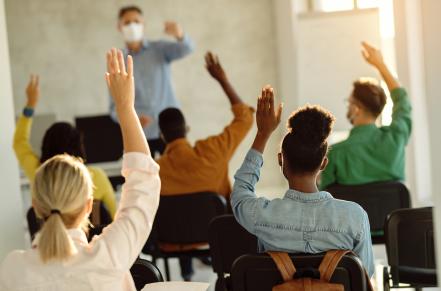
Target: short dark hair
x=129 y=8
x=370 y=95
x=62 y=138
x=172 y=124
x=305 y=145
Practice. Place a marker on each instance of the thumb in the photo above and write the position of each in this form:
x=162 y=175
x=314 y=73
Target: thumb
x=279 y=112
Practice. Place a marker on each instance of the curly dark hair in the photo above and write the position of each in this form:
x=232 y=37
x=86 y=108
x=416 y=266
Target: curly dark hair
x=62 y=138
x=370 y=95
x=305 y=145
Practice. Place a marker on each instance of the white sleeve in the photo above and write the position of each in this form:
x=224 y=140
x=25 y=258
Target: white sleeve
x=125 y=237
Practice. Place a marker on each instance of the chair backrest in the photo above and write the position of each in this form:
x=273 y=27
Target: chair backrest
x=183 y=219
x=100 y=215
x=224 y=249
x=377 y=199
x=145 y=272
x=410 y=243
x=102 y=138
x=258 y=272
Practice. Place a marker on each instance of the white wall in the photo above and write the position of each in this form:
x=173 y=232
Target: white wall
x=432 y=49
x=11 y=223
x=65 y=42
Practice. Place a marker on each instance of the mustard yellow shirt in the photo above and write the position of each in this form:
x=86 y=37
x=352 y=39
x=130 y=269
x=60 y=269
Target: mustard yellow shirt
x=188 y=169
x=30 y=162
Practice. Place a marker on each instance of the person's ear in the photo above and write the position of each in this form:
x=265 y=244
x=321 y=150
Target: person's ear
x=324 y=164
x=280 y=159
x=119 y=26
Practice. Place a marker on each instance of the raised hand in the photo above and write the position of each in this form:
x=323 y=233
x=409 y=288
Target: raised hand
x=267 y=116
x=173 y=29
x=372 y=55
x=33 y=91
x=145 y=120
x=119 y=81
x=214 y=67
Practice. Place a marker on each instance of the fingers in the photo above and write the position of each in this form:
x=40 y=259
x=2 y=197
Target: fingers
x=109 y=61
x=209 y=59
x=37 y=80
x=129 y=66
x=107 y=78
x=365 y=54
x=115 y=61
x=121 y=63
x=279 y=112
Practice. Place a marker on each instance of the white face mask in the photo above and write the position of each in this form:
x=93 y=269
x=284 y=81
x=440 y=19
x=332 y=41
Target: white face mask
x=133 y=32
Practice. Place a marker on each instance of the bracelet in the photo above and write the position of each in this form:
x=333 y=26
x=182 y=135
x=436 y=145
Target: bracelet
x=28 y=112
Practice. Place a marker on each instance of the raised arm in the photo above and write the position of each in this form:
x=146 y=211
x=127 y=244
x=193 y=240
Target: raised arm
x=215 y=69
x=244 y=201
x=180 y=48
x=401 y=124
x=267 y=118
x=122 y=88
x=374 y=57
x=125 y=237
x=23 y=150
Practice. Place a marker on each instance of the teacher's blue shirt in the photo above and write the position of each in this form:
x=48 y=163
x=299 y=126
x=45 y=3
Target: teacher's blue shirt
x=153 y=86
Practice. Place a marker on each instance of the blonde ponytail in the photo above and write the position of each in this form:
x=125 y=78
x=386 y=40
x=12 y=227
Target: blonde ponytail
x=61 y=189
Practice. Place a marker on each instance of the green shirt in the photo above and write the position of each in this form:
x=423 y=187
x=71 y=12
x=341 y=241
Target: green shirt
x=371 y=153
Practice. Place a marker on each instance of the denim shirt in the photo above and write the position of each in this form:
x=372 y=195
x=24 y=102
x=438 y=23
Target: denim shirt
x=299 y=222
x=153 y=83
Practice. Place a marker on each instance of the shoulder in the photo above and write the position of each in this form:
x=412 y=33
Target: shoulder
x=353 y=211
x=97 y=174
x=12 y=265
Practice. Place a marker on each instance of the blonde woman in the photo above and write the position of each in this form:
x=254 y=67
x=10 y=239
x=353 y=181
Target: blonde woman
x=61 y=258
x=60 y=138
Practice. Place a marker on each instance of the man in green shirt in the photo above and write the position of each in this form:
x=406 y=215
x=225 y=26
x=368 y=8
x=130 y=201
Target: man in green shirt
x=371 y=153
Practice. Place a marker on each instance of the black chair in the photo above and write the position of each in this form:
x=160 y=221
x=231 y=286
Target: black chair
x=410 y=249
x=258 y=272
x=102 y=138
x=377 y=199
x=100 y=218
x=183 y=220
x=225 y=250
x=145 y=272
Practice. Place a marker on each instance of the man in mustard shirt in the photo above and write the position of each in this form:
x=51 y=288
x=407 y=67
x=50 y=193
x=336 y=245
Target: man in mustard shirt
x=60 y=138
x=186 y=169
x=371 y=153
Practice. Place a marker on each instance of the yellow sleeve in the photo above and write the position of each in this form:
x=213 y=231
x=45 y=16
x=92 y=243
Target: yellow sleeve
x=226 y=143
x=103 y=189
x=27 y=159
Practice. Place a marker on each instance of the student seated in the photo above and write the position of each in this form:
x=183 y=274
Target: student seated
x=188 y=169
x=60 y=138
x=305 y=220
x=371 y=153
x=61 y=258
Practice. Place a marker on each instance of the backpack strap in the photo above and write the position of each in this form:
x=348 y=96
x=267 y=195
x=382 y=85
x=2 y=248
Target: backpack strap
x=330 y=263
x=284 y=265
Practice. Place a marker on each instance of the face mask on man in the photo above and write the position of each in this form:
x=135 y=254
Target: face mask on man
x=133 y=32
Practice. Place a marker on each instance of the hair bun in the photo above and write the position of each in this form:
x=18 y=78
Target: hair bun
x=311 y=124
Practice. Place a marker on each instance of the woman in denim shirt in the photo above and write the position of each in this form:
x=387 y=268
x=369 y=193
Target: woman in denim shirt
x=305 y=220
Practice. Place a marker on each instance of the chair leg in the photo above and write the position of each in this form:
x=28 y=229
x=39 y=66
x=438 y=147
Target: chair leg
x=386 y=286
x=167 y=269
x=220 y=284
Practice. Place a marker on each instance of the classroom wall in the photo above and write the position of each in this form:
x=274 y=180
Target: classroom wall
x=11 y=223
x=65 y=42
x=432 y=49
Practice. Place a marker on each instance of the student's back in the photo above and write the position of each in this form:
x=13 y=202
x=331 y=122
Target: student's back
x=371 y=153
x=60 y=257
x=305 y=220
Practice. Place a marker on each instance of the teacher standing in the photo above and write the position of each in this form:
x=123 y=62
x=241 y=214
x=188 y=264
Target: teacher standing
x=153 y=86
